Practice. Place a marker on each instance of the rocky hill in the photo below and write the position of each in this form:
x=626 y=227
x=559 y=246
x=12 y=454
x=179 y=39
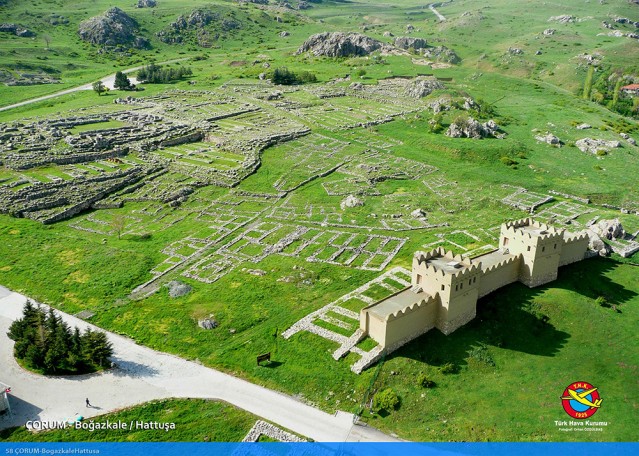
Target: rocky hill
x=201 y=25
x=339 y=44
x=112 y=28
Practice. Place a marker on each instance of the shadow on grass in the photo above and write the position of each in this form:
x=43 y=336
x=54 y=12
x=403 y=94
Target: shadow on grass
x=512 y=319
x=272 y=364
x=588 y=279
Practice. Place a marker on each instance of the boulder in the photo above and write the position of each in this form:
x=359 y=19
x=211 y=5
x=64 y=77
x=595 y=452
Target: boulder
x=207 y=323
x=146 y=4
x=549 y=138
x=583 y=126
x=284 y=34
x=515 y=51
x=549 y=32
x=418 y=213
x=351 y=201
x=595 y=243
x=178 y=289
x=339 y=44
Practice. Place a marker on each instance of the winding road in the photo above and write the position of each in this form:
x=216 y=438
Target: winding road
x=143 y=374
x=107 y=81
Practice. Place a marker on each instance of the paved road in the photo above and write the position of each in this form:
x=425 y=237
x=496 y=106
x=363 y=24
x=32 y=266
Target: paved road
x=108 y=81
x=144 y=374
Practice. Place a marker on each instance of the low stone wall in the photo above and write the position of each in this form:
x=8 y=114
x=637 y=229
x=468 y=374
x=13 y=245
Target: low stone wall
x=263 y=428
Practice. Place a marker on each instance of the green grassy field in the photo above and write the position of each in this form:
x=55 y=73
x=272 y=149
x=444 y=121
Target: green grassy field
x=516 y=399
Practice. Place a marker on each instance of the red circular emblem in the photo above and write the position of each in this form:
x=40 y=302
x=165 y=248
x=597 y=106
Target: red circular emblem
x=581 y=400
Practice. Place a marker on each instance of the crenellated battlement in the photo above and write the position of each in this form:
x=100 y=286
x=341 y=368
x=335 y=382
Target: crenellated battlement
x=569 y=238
x=422 y=257
x=503 y=263
x=412 y=308
x=423 y=262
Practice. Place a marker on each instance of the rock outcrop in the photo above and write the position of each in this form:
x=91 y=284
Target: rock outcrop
x=471 y=128
x=609 y=229
x=563 y=19
x=113 y=28
x=595 y=145
x=195 y=24
x=16 y=30
x=147 y=4
x=421 y=87
x=351 y=201
x=339 y=44
x=407 y=42
x=441 y=54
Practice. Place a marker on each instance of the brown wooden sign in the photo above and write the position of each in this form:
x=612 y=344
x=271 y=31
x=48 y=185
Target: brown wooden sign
x=263 y=357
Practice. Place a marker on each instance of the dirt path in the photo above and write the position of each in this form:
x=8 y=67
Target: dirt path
x=431 y=6
x=144 y=374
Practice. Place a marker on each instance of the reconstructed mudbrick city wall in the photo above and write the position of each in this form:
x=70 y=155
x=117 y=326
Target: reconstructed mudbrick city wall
x=445 y=287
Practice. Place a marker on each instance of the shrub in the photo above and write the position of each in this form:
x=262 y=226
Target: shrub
x=481 y=354
x=448 y=368
x=602 y=301
x=385 y=400
x=508 y=161
x=424 y=381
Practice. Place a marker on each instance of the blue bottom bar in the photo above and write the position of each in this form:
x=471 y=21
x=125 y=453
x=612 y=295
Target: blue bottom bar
x=320 y=449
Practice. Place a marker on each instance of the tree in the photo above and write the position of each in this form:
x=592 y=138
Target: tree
x=96 y=347
x=118 y=224
x=385 y=400
x=99 y=87
x=588 y=83
x=122 y=82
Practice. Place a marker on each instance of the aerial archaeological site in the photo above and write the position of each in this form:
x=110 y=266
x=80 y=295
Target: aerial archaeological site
x=319 y=220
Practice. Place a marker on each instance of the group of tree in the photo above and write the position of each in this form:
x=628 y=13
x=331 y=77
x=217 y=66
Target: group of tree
x=284 y=76
x=156 y=74
x=604 y=87
x=45 y=343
